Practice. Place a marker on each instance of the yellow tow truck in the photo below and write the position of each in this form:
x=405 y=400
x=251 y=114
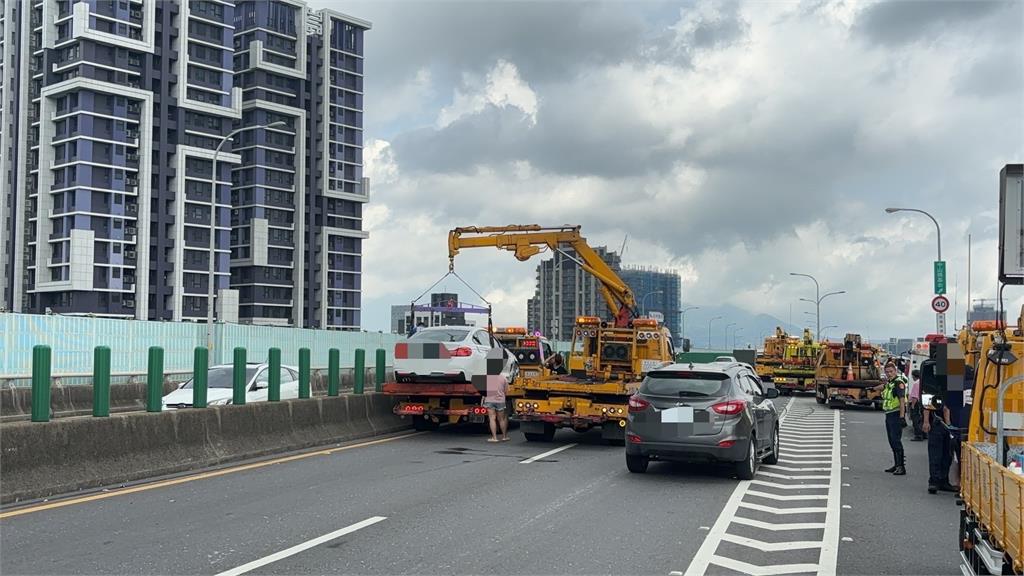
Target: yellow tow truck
x=991 y=537
x=530 y=351
x=771 y=357
x=608 y=360
x=796 y=372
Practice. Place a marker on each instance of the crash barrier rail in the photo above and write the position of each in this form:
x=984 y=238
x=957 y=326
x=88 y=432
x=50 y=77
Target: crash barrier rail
x=69 y=454
x=156 y=385
x=73 y=340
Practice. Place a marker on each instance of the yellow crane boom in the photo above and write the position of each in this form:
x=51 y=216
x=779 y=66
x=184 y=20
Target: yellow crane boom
x=526 y=241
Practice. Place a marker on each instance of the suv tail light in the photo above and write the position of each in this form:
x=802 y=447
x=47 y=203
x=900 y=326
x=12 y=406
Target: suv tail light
x=462 y=351
x=638 y=404
x=730 y=408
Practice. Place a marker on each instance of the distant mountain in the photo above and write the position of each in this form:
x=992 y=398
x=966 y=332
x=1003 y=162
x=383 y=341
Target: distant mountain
x=752 y=328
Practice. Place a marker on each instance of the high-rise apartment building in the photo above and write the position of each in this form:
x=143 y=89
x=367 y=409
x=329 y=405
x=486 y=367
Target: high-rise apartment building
x=565 y=291
x=656 y=290
x=111 y=115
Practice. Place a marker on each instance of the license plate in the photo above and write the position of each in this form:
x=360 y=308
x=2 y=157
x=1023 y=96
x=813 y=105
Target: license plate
x=679 y=415
x=530 y=373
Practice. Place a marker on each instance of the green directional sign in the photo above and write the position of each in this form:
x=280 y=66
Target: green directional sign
x=940 y=277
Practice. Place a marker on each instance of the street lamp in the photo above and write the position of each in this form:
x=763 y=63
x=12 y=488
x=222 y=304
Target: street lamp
x=643 y=309
x=709 y=329
x=817 y=298
x=213 y=224
x=939 y=318
x=734 y=333
x=938 y=231
x=825 y=330
x=727 y=326
x=682 y=320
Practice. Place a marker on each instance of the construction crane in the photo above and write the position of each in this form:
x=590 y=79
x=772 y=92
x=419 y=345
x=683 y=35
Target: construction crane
x=526 y=241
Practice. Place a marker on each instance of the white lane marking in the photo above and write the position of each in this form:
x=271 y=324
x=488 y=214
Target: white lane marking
x=778 y=527
x=791 y=469
x=699 y=564
x=754 y=570
x=806 y=457
x=830 y=551
x=787 y=486
x=783 y=511
x=769 y=546
x=546 y=454
x=810 y=461
x=816 y=451
x=790 y=477
x=787 y=497
x=301 y=547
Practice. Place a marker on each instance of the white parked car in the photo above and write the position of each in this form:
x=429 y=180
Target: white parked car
x=449 y=354
x=219 y=389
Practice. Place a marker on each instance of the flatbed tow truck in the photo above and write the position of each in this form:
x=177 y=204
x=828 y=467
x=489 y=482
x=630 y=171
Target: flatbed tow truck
x=531 y=351
x=847 y=374
x=796 y=373
x=608 y=360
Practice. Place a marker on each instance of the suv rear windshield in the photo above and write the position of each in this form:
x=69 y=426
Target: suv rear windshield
x=675 y=384
x=440 y=335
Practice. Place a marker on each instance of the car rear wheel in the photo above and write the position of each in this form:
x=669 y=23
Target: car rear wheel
x=637 y=464
x=746 y=468
x=773 y=458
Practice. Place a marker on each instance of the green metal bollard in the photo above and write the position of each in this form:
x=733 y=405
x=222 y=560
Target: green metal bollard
x=274 y=382
x=41 y=383
x=200 y=371
x=238 y=382
x=303 y=372
x=155 y=379
x=360 y=371
x=333 y=371
x=379 y=372
x=101 y=381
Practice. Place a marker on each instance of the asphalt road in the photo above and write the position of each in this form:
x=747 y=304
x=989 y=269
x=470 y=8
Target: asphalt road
x=450 y=503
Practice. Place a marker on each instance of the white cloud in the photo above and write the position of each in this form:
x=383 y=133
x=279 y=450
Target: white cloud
x=502 y=87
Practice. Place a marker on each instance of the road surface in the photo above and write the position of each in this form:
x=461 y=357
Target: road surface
x=448 y=502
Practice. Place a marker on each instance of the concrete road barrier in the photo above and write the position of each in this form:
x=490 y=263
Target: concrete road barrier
x=74 y=400
x=38 y=460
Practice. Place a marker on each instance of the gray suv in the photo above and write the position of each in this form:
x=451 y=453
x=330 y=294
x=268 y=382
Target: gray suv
x=716 y=412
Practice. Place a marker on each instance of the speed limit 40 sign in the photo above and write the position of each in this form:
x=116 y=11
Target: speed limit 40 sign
x=940 y=304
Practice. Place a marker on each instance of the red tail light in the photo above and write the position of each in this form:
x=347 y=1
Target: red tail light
x=633 y=438
x=730 y=408
x=638 y=404
x=726 y=443
x=462 y=351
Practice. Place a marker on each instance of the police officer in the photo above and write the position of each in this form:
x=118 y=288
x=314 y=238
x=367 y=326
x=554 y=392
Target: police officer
x=894 y=393
x=940 y=453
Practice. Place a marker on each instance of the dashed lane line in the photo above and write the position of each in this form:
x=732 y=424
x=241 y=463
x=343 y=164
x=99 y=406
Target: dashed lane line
x=276 y=556
x=546 y=454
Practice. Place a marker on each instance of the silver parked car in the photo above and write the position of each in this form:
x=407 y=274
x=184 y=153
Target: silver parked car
x=717 y=412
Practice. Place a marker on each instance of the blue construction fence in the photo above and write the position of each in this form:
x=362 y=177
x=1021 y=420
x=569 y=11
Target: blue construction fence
x=73 y=339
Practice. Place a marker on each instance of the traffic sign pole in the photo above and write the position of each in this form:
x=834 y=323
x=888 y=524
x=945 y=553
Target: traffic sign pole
x=940 y=304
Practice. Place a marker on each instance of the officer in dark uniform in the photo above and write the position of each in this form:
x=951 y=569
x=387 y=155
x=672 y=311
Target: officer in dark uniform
x=940 y=453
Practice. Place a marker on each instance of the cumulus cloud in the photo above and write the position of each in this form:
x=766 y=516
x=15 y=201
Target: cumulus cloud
x=735 y=142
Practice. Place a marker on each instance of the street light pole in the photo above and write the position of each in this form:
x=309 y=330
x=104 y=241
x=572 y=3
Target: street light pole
x=825 y=330
x=734 y=333
x=682 y=320
x=212 y=280
x=727 y=326
x=709 y=329
x=643 y=308
x=817 y=296
x=940 y=318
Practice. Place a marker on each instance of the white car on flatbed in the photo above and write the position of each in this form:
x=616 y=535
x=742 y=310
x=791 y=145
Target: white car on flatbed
x=449 y=354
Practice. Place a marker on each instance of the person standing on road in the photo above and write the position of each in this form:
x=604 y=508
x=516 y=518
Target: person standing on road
x=497 y=410
x=917 y=408
x=940 y=454
x=894 y=393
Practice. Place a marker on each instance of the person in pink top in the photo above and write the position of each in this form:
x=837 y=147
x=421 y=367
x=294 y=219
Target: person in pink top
x=497 y=411
x=917 y=408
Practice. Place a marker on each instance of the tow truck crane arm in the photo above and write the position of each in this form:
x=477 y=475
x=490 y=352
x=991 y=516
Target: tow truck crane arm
x=526 y=241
